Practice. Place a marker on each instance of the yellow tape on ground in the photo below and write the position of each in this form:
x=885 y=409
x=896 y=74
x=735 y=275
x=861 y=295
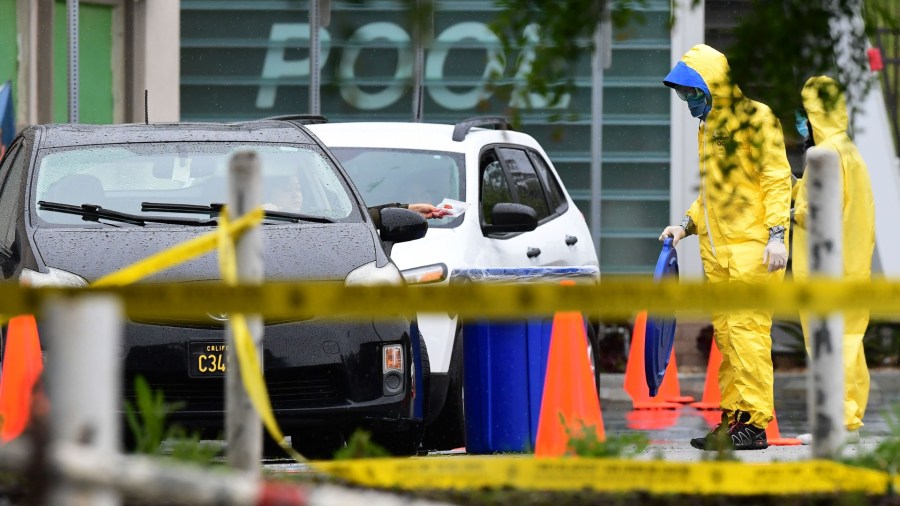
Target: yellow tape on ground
x=251 y=373
x=608 y=299
x=180 y=253
x=608 y=475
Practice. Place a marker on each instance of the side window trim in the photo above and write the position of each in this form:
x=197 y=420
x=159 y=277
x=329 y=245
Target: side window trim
x=542 y=165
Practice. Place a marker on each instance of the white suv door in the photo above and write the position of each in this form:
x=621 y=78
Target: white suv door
x=520 y=175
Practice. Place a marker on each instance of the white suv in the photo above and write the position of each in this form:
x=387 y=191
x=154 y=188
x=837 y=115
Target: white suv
x=519 y=216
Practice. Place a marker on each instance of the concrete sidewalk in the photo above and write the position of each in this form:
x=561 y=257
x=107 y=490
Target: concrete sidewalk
x=670 y=432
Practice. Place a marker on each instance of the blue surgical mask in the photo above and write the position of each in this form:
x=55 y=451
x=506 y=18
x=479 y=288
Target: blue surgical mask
x=696 y=100
x=698 y=106
x=802 y=124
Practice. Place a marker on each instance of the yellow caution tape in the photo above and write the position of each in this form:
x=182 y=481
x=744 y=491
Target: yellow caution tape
x=180 y=253
x=610 y=475
x=619 y=299
x=251 y=372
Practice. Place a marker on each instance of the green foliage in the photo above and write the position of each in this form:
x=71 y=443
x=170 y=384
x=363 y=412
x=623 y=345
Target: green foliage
x=559 y=33
x=885 y=456
x=147 y=418
x=585 y=443
x=361 y=446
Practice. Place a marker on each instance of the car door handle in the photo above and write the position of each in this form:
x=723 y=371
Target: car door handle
x=571 y=240
x=533 y=252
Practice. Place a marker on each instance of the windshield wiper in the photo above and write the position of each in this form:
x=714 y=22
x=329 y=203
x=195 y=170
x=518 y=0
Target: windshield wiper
x=91 y=212
x=215 y=208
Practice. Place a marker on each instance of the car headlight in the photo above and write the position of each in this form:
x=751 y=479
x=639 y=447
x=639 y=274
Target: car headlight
x=53 y=277
x=371 y=274
x=425 y=274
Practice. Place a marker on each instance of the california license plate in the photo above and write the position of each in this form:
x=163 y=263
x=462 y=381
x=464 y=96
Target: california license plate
x=208 y=358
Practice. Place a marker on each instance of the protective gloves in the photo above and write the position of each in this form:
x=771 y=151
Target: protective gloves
x=775 y=253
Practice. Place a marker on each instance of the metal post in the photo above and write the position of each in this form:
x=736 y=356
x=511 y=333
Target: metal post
x=84 y=386
x=243 y=427
x=314 y=48
x=602 y=60
x=72 y=10
x=825 y=394
x=423 y=21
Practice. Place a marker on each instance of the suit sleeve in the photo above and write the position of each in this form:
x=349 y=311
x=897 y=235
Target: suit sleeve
x=775 y=177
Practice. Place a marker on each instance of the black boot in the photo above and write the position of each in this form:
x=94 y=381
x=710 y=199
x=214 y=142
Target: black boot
x=745 y=436
x=716 y=437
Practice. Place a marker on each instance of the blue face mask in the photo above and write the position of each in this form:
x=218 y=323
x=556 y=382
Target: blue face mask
x=802 y=124
x=698 y=106
x=696 y=101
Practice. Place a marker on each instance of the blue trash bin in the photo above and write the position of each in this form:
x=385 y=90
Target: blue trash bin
x=504 y=363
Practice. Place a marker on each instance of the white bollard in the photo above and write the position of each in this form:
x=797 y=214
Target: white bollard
x=84 y=375
x=825 y=394
x=243 y=427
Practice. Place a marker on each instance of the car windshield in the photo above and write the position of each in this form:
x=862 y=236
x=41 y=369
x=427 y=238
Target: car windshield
x=384 y=176
x=119 y=177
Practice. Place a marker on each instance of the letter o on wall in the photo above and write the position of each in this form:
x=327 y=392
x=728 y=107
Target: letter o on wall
x=380 y=99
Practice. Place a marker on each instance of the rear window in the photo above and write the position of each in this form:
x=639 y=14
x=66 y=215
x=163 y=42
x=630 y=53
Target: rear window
x=120 y=177
x=385 y=176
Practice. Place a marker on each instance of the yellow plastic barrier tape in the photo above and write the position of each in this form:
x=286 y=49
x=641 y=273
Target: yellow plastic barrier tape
x=180 y=253
x=610 y=475
x=251 y=372
x=608 y=299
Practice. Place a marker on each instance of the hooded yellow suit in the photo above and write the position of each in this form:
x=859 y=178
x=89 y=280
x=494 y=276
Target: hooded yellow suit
x=829 y=130
x=745 y=190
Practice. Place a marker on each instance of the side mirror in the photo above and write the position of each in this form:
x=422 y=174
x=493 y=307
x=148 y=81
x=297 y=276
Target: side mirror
x=401 y=225
x=508 y=217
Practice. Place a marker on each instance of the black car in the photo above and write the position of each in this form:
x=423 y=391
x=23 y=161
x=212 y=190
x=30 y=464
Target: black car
x=81 y=201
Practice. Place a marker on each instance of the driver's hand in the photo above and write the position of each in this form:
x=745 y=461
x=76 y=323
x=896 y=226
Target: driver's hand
x=426 y=210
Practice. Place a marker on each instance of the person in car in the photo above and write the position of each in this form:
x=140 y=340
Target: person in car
x=284 y=194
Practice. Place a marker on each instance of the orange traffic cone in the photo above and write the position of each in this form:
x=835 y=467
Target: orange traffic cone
x=712 y=397
x=773 y=435
x=22 y=366
x=635 y=380
x=670 y=389
x=569 y=390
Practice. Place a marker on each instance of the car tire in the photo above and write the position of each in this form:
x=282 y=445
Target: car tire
x=318 y=445
x=410 y=442
x=594 y=353
x=448 y=431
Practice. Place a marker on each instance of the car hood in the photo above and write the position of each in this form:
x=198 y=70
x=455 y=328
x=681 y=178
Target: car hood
x=291 y=252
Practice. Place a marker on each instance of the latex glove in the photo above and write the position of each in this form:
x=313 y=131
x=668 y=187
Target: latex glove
x=776 y=256
x=676 y=232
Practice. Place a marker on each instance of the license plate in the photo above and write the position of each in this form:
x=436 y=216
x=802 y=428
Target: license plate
x=207 y=359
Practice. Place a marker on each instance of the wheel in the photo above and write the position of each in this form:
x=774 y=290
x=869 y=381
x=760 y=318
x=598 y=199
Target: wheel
x=448 y=431
x=593 y=351
x=410 y=441
x=318 y=445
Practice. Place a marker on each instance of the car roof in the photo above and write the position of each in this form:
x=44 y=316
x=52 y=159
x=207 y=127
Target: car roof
x=69 y=134
x=409 y=135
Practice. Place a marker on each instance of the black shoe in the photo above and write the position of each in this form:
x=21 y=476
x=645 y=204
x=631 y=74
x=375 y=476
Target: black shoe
x=716 y=437
x=745 y=436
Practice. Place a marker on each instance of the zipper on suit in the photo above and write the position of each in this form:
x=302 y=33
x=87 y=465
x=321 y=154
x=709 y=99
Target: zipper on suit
x=703 y=174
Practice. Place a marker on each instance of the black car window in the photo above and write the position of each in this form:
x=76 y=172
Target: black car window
x=526 y=181
x=10 y=196
x=119 y=177
x=552 y=188
x=494 y=186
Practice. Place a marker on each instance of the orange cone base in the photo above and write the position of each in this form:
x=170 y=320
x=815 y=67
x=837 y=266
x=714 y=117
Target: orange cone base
x=680 y=399
x=785 y=441
x=655 y=405
x=705 y=405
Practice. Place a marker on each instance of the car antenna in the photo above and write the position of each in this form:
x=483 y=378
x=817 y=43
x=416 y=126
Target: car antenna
x=146 y=108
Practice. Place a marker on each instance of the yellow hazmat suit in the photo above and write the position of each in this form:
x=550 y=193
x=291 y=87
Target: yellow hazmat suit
x=829 y=130
x=745 y=191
